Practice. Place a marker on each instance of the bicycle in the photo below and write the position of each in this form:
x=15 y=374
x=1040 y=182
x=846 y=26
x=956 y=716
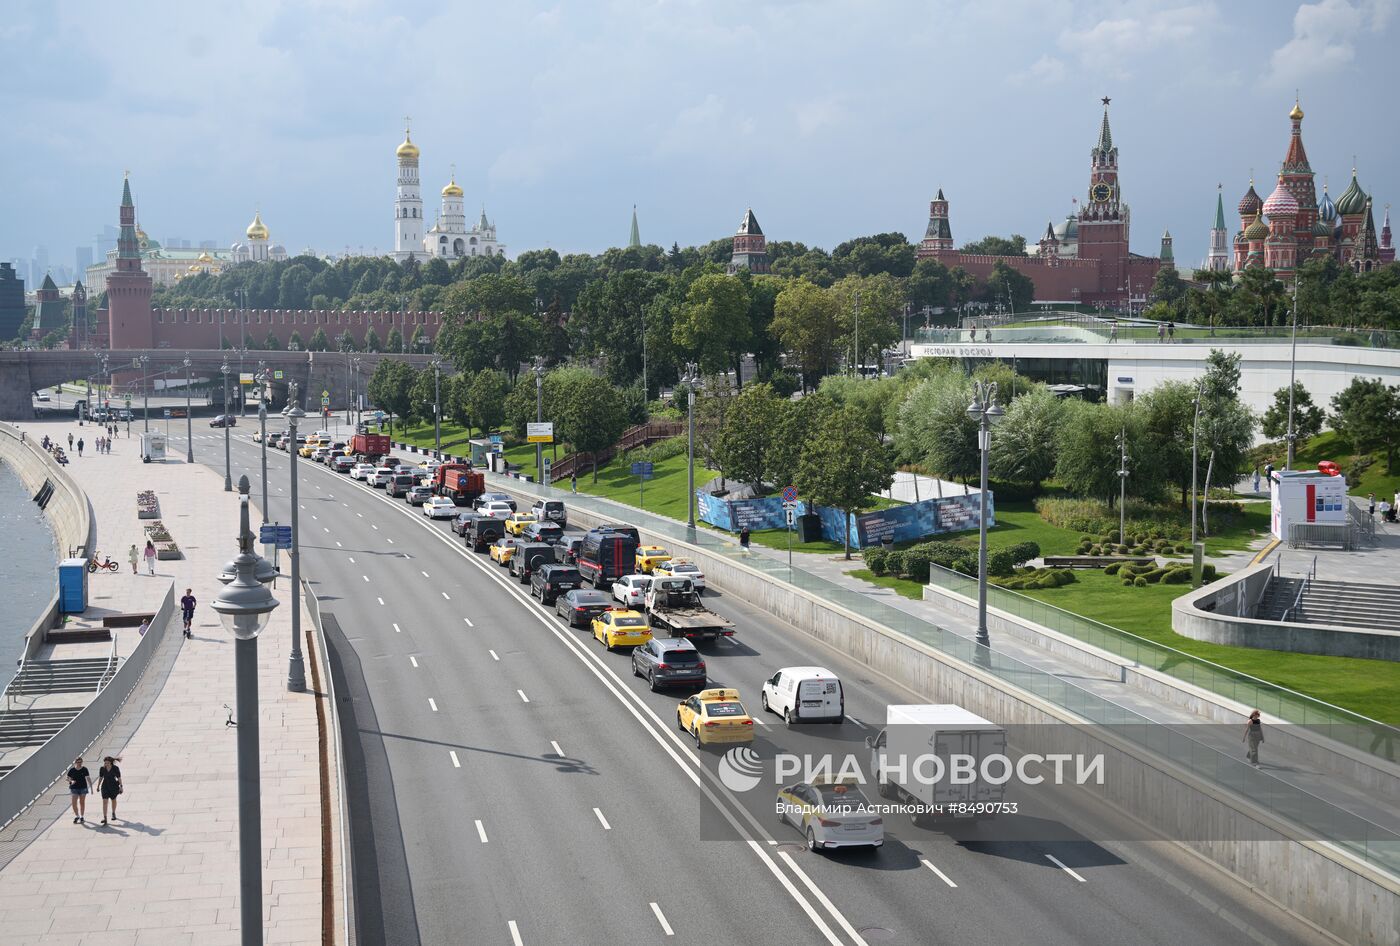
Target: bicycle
x=106 y=564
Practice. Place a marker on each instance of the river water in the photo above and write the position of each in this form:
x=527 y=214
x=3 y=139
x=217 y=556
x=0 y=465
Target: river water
x=28 y=568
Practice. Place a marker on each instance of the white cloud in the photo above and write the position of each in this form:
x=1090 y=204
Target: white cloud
x=1114 y=44
x=816 y=114
x=1322 y=37
x=1044 y=71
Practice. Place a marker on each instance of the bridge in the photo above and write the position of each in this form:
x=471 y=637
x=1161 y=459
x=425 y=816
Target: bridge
x=24 y=372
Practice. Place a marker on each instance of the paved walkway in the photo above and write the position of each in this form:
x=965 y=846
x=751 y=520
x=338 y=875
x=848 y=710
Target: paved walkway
x=167 y=872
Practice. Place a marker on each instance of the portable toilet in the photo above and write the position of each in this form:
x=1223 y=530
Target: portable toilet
x=72 y=585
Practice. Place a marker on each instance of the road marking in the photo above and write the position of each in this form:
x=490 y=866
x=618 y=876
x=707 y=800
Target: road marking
x=426 y=575
x=365 y=577
x=325 y=529
x=316 y=517
x=481 y=831
x=303 y=505
x=1061 y=865
x=376 y=529
x=339 y=546
x=360 y=514
x=352 y=559
x=857 y=722
x=822 y=899
x=493 y=655
x=445 y=596
x=601 y=820
x=469 y=622
x=381 y=600
x=555 y=746
x=346 y=505
x=396 y=629
x=661 y=918
x=942 y=876
x=413 y=660
x=515 y=935
x=456 y=763
x=759 y=721
x=523 y=697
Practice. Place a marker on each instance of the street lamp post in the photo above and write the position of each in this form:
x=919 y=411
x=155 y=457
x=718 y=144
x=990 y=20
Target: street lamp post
x=189 y=422
x=691 y=378
x=1292 y=373
x=244 y=606
x=242 y=393
x=539 y=417
x=296 y=669
x=355 y=394
x=145 y=393
x=437 y=408
x=985 y=410
x=228 y=468
x=262 y=431
x=1122 y=485
x=1196 y=551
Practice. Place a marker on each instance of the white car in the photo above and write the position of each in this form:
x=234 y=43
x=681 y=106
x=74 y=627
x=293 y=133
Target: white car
x=319 y=454
x=440 y=507
x=496 y=509
x=805 y=695
x=41 y=396
x=323 y=435
x=831 y=814
x=257 y=436
x=362 y=471
x=381 y=477
x=430 y=464
x=631 y=590
x=684 y=568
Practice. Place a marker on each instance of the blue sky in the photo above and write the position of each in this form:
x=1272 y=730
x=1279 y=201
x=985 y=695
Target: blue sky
x=832 y=119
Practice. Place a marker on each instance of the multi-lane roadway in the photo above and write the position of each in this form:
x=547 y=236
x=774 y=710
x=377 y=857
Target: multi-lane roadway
x=514 y=783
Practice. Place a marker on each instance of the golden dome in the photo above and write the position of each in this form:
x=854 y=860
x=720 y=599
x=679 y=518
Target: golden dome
x=408 y=149
x=452 y=190
x=205 y=258
x=257 y=230
x=1258 y=230
x=1297 y=113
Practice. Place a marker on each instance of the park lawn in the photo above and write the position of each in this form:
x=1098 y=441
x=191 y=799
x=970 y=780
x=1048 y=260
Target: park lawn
x=1329 y=445
x=905 y=587
x=454 y=438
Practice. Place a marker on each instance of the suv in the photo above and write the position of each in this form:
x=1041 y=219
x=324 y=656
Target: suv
x=566 y=549
x=481 y=531
x=547 y=532
x=224 y=420
x=400 y=484
x=668 y=661
x=551 y=510
x=550 y=581
x=529 y=556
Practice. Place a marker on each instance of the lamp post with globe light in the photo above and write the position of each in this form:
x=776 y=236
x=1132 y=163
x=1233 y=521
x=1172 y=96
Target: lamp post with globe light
x=985 y=410
x=245 y=606
x=296 y=669
x=690 y=379
x=228 y=419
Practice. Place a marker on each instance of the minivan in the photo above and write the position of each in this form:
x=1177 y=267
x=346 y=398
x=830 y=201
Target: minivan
x=401 y=484
x=805 y=695
x=605 y=557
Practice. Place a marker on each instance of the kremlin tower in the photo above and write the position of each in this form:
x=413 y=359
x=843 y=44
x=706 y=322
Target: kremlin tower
x=129 y=317
x=1219 y=257
x=1387 y=251
x=750 y=247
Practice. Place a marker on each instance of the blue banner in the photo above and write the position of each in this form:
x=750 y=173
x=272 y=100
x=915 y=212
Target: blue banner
x=906 y=522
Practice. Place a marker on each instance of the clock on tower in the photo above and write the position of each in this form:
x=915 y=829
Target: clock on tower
x=1101 y=192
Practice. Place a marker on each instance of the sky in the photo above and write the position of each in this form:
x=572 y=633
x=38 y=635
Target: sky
x=831 y=119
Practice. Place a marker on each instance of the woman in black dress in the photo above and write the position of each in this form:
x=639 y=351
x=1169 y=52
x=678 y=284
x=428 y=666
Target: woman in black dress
x=109 y=782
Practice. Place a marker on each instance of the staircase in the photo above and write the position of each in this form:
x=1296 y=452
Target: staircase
x=22 y=728
x=43 y=677
x=1324 y=601
x=642 y=435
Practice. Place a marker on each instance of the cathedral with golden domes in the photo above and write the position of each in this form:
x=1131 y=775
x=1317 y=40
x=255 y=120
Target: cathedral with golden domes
x=259 y=247
x=449 y=237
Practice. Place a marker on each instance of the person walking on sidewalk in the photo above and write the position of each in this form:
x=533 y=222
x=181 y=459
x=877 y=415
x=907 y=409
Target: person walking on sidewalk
x=133 y=556
x=109 y=784
x=80 y=447
x=78 y=785
x=70 y=441
x=744 y=538
x=150 y=555
x=1253 y=736
x=187 y=604
x=573 y=482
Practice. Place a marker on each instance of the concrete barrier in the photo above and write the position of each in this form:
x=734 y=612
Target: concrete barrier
x=1214 y=613
x=1350 y=897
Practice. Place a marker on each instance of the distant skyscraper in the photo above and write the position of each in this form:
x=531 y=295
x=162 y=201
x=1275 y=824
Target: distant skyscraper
x=82 y=259
x=11 y=302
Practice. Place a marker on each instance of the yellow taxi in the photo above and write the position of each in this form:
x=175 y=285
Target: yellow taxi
x=715 y=716
x=517 y=521
x=502 y=549
x=311 y=446
x=649 y=556
x=621 y=628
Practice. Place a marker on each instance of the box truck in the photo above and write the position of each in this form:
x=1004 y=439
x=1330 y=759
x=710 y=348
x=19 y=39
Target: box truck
x=923 y=756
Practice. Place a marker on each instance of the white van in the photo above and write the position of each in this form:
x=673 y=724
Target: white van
x=805 y=695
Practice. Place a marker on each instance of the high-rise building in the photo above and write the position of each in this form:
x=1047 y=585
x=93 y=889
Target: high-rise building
x=82 y=259
x=12 y=308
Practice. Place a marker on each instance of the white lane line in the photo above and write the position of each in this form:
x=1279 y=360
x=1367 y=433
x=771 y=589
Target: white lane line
x=352 y=559
x=523 y=697
x=376 y=529
x=445 y=596
x=346 y=505
x=316 y=517
x=339 y=546
x=481 y=831
x=456 y=763
x=469 y=622
x=759 y=721
x=303 y=505
x=325 y=529
x=360 y=514
x=1061 y=865
x=601 y=820
x=515 y=935
x=822 y=899
x=425 y=574
x=555 y=746
x=365 y=577
x=413 y=660
x=857 y=722
x=432 y=704
x=396 y=629
x=493 y=655
x=381 y=600
x=661 y=918
x=942 y=876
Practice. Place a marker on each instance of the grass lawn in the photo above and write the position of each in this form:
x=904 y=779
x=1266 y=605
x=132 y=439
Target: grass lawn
x=454 y=438
x=1329 y=446
x=665 y=492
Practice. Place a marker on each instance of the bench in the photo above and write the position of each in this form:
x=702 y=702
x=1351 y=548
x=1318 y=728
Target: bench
x=1094 y=561
x=128 y=620
x=77 y=635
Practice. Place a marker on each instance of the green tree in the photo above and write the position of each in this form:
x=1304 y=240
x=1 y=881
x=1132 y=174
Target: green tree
x=712 y=328
x=933 y=428
x=806 y=323
x=796 y=423
x=390 y=389
x=1023 y=444
x=1167 y=413
x=880 y=312
x=591 y=417
x=346 y=342
x=1010 y=286
x=294 y=342
x=394 y=342
x=843 y=464
x=1307 y=416
x=1087 y=452
x=1367 y=413
x=272 y=342
x=486 y=399
x=293 y=286
x=747 y=437
x=1222 y=380
x=1168 y=287
x=870 y=397
x=997 y=246
x=418 y=344
x=929 y=285
x=319 y=341
x=372 y=342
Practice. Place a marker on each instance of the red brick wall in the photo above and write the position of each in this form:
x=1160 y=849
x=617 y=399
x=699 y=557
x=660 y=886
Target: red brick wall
x=203 y=328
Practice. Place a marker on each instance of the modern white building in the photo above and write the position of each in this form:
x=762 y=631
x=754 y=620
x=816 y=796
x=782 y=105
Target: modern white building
x=449 y=237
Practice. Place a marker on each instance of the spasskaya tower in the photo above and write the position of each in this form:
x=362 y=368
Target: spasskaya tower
x=1104 y=218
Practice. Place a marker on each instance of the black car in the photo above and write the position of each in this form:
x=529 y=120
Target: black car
x=529 y=556
x=616 y=527
x=400 y=484
x=418 y=495
x=480 y=531
x=566 y=549
x=580 y=606
x=547 y=532
x=550 y=581
x=667 y=661
x=459 y=525
x=485 y=498
x=224 y=420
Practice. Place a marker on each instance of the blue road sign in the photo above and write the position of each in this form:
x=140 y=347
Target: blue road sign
x=642 y=468
x=272 y=534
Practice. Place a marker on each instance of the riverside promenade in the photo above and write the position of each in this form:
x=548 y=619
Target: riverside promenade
x=166 y=871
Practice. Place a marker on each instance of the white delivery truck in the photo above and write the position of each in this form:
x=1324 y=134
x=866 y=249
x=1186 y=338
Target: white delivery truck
x=930 y=756
x=152 y=446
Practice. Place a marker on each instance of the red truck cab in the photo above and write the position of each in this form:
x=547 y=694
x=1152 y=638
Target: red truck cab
x=458 y=482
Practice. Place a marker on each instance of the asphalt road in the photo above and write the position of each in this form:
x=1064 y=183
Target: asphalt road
x=515 y=783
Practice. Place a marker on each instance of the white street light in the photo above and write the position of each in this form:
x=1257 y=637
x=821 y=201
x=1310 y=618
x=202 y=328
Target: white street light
x=985 y=410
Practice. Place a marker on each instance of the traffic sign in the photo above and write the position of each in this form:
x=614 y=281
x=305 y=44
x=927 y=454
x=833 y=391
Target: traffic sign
x=642 y=468
x=273 y=534
x=791 y=512
x=789 y=494
x=325 y=394
x=277 y=374
x=167 y=413
x=245 y=377
x=540 y=433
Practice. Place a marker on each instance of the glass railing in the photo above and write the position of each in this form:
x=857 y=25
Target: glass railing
x=1361 y=837
x=1101 y=332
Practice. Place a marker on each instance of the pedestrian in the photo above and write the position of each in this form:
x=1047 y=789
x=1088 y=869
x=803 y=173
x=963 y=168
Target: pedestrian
x=133 y=556
x=145 y=626
x=1371 y=504
x=187 y=604
x=78 y=784
x=70 y=441
x=1253 y=736
x=573 y=482
x=1161 y=332
x=974 y=333
x=1256 y=479
x=109 y=784
x=1171 y=330
x=1113 y=331
x=150 y=555
x=744 y=538
x=80 y=447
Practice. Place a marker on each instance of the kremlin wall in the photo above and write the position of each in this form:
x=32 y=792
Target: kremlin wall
x=209 y=328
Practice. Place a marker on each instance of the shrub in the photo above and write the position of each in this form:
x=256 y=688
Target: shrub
x=894 y=563
x=1154 y=576
x=1208 y=572
x=916 y=564
x=966 y=564
x=1084 y=548
x=944 y=554
x=1139 y=582
x=1128 y=581
x=1087 y=538
x=1183 y=549
x=1000 y=562
x=661 y=450
x=875 y=560
x=1112 y=568
x=1177 y=576
x=1096 y=550
x=1023 y=552
x=1121 y=549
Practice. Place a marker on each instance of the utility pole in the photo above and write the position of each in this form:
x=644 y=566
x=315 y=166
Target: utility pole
x=690 y=379
x=296 y=667
x=437 y=408
x=539 y=418
x=189 y=422
x=228 y=419
x=858 y=374
x=1196 y=549
x=1292 y=373
x=1122 y=486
